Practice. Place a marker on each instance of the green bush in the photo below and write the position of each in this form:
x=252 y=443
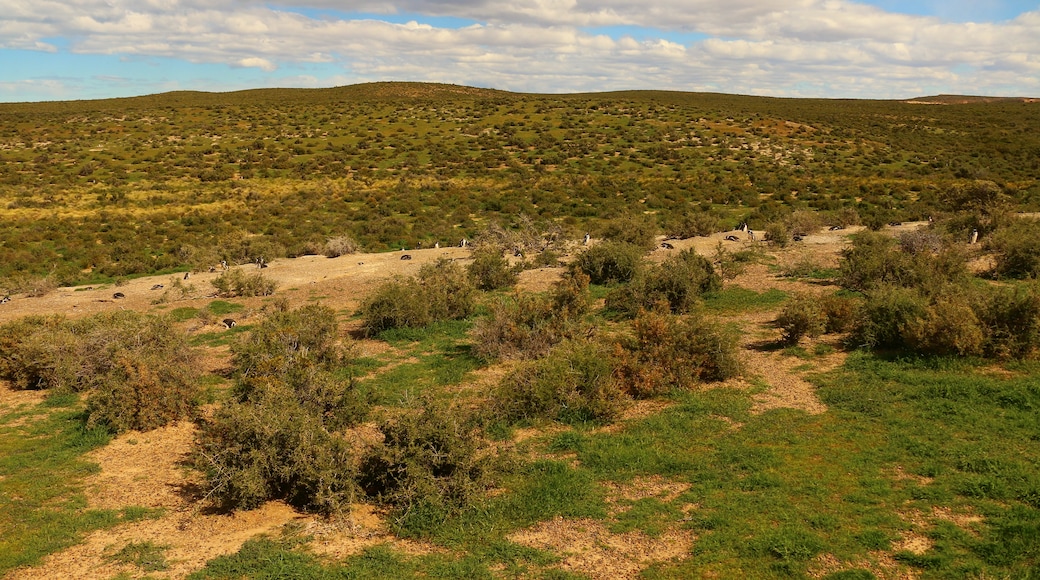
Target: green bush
x=801 y=316
x=609 y=262
x=1011 y=319
x=272 y=447
x=636 y=230
x=430 y=464
x=948 y=326
x=886 y=313
x=670 y=352
x=875 y=259
x=778 y=234
x=528 y=326
x=679 y=281
x=489 y=270
x=840 y=312
x=1016 y=250
x=574 y=383
x=442 y=291
x=235 y=282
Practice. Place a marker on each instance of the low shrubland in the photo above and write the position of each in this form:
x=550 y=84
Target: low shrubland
x=609 y=262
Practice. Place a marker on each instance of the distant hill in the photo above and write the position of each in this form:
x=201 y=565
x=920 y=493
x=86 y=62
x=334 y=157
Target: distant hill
x=966 y=100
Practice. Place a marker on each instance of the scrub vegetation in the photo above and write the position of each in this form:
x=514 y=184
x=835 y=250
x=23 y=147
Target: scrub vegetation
x=844 y=396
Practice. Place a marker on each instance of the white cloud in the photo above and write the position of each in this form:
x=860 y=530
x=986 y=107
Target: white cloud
x=780 y=47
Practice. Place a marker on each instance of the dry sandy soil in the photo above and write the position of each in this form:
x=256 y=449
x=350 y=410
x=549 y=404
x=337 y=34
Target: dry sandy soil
x=148 y=469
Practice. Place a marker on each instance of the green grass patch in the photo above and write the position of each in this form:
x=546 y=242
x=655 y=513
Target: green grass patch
x=147 y=556
x=222 y=307
x=737 y=299
x=219 y=338
x=42 y=507
x=184 y=313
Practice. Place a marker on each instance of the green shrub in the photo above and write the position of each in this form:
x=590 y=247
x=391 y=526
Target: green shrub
x=441 y=291
x=489 y=270
x=277 y=437
x=947 y=327
x=679 y=281
x=801 y=316
x=874 y=259
x=575 y=382
x=1016 y=250
x=609 y=262
x=1011 y=318
x=670 y=352
x=235 y=282
x=429 y=465
x=636 y=230
x=271 y=447
x=527 y=326
x=886 y=313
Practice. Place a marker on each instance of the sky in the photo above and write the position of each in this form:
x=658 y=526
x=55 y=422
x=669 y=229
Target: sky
x=876 y=49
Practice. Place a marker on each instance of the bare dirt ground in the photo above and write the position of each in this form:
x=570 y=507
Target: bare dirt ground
x=149 y=469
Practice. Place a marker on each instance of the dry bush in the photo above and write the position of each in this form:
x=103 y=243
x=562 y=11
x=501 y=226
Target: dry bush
x=528 y=326
x=840 y=312
x=670 y=352
x=920 y=241
x=340 y=246
x=29 y=285
x=1011 y=319
x=139 y=370
x=778 y=234
x=636 y=230
x=235 y=282
x=804 y=222
x=574 y=383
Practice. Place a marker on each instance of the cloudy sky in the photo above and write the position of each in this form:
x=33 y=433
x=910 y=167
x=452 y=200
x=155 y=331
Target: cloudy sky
x=82 y=49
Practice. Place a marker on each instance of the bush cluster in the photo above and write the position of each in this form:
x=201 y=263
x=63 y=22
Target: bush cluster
x=636 y=230
x=670 y=352
x=139 y=371
x=609 y=262
x=430 y=464
x=441 y=291
x=875 y=259
x=528 y=326
x=996 y=322
x=695 y=223
x=279 y=435
x=236 y=282
x=679 y=282
x=489 y=270
x=576 y=382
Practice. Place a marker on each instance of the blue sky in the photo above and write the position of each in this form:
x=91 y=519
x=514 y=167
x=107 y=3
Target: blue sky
x=84 y=49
